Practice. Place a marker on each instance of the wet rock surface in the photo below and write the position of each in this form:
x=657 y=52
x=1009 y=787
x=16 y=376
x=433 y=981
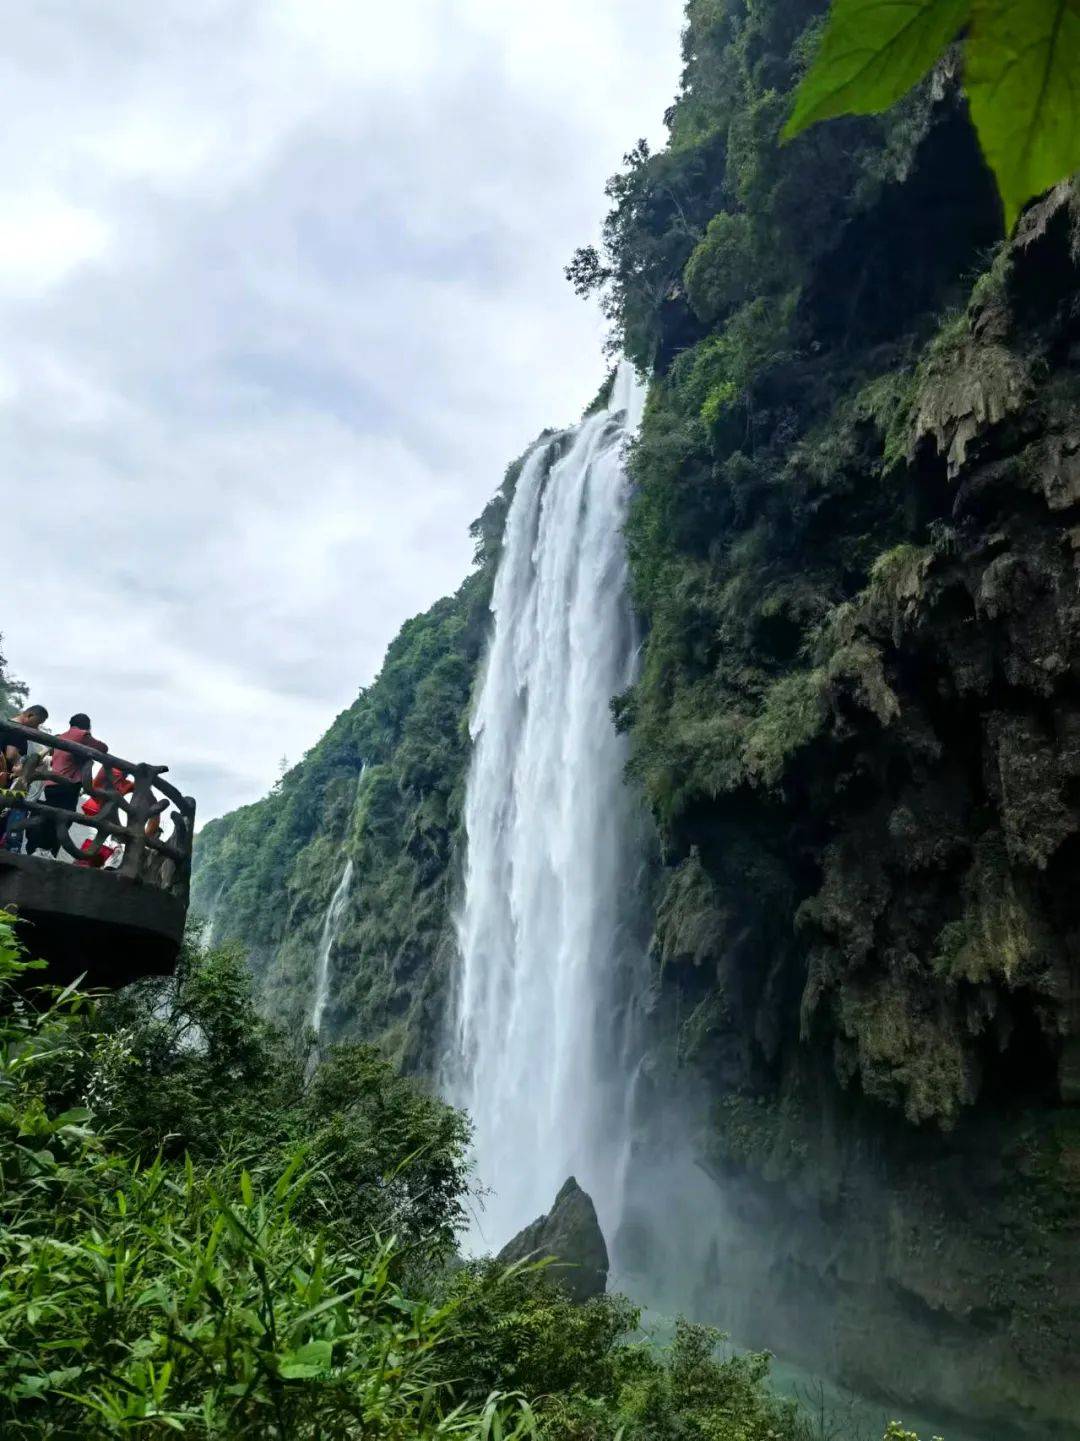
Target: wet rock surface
x=570 y=1237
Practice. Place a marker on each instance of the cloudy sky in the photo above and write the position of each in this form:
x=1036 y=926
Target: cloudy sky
x=281 y=293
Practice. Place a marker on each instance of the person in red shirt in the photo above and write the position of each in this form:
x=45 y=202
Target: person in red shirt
x=63 y=791
x=64 y=764
x=84 y=836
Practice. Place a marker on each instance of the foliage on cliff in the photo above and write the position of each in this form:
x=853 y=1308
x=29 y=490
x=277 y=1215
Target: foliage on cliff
x=385 y=787
x=853 y=539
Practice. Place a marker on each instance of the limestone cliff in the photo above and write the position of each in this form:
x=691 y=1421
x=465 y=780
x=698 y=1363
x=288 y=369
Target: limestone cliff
x=855 y=544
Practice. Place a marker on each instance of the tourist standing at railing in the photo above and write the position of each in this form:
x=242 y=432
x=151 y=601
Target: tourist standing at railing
x=14 y=750
x=62 y=788
x=85 y=835
x=14 y=746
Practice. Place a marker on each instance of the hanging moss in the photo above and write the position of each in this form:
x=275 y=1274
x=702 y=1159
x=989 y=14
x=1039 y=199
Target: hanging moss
x=1000 y=936
x=690 y=921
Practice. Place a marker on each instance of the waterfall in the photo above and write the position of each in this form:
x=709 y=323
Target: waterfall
x=538 y=1052
x=328 y=937
x=331 y=922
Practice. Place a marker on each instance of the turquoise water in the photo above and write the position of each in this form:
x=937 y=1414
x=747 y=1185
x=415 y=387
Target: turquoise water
x=840 y=1415
x=834 y=1413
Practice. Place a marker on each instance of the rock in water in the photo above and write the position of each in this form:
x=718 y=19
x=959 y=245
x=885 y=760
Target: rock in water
x=571 y=1235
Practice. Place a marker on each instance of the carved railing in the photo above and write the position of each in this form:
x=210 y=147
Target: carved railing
x=129 y=812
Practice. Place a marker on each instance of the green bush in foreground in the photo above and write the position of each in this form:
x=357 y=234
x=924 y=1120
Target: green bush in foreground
x=139 y=1298
x=589 y=1382
x=195 y=1240
x=188 y=1065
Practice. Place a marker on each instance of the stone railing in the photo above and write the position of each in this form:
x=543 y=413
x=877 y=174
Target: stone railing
x=131 y=803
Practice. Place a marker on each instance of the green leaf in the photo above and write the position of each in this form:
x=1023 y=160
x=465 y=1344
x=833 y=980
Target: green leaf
x=1023 y=81
x=75 y=1117
x=314 y=1359
x=872 y=53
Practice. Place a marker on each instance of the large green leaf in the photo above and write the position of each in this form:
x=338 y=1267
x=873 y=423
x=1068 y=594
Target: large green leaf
x=1023 y=82
x=872 y=53
x=313 y=1359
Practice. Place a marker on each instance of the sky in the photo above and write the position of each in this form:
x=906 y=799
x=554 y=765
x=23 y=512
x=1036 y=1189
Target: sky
x=281 y=295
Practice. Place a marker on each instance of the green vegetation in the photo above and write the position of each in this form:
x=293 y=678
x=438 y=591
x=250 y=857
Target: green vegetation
x=194 y=1241
x=224 y=1279
x=1019 y=74
x=759 y=1133
x=12 y=692
x=188 y=1066
x=790 y=544
x=850 y=543
x=595 y=1386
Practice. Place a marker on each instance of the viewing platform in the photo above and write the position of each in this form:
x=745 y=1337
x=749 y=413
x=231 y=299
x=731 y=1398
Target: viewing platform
x=113 y=902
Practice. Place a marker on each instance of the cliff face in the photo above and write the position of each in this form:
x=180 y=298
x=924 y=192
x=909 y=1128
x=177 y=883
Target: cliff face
x=870 y=914
x=854 y=540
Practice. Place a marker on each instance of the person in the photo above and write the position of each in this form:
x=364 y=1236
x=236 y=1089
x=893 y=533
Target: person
x=111 y=857
x=64 y=783
x=84 y=835
x=14 y=745
x=13 y=753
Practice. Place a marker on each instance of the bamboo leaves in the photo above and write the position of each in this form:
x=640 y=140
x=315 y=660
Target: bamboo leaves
x=151 y=1297
x=1021 y=69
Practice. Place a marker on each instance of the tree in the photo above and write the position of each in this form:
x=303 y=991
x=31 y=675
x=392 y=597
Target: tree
x=211 y=1295
x=1020 y=60
x=12 y=692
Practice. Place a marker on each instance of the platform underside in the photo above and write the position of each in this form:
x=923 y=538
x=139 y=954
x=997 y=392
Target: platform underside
x=93 y=922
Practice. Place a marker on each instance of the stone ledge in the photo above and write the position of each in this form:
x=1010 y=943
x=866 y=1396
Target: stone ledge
x=87 y=921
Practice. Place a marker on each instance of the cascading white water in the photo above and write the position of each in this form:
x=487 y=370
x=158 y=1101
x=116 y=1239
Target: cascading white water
x=331 y=922
x=537 y=1054
x=328 y=937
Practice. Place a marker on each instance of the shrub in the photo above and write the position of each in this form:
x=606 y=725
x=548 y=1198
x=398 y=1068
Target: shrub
x=141 y=1298
x=186 y=1064
x=720 y=273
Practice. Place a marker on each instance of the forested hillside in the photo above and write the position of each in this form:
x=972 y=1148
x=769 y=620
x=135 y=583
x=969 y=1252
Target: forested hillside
x=199 y=1239
x=853 y=542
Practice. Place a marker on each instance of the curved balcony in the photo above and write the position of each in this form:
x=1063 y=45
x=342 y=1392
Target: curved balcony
x=113 y=904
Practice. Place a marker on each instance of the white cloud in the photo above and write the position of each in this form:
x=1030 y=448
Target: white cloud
x=43 y=238
x=281 y=293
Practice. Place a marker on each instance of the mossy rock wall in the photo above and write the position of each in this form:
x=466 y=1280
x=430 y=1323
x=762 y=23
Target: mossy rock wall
x=854 y=542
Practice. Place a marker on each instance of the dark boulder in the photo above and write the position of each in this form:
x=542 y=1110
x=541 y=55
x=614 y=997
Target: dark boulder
x=570 y=1235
